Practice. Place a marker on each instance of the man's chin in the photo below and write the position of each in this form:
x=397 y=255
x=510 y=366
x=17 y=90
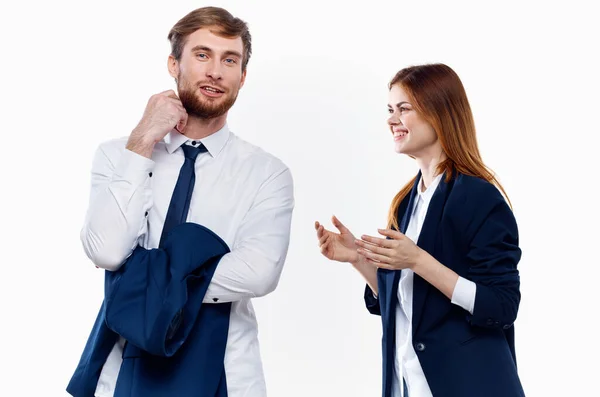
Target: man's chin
x=199 y=105
x=211 y=101
x=207 y=112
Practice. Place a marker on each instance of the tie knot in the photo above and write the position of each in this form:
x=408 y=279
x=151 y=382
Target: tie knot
x=191 y=152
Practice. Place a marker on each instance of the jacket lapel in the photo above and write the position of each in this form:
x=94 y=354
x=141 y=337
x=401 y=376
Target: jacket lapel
x=407 y=211
x=388 y=284
x=427 y=241
x=393 y=277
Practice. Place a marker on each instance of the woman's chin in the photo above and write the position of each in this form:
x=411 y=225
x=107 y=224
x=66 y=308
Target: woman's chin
x=400 y=148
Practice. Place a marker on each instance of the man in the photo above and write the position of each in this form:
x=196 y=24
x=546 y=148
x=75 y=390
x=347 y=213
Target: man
x=241 y=193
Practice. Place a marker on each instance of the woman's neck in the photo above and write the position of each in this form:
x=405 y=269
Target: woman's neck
x=429 y=167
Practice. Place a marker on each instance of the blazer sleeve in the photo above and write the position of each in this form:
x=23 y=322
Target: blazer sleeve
x=372 y=301
x=493 y=255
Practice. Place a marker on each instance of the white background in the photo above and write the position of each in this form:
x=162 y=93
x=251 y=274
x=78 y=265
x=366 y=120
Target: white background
x=75 y=74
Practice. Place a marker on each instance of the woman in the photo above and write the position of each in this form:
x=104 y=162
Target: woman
x=443 y=275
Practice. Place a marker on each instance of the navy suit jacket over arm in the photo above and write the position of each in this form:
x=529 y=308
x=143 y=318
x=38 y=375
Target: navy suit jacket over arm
x=175 y=343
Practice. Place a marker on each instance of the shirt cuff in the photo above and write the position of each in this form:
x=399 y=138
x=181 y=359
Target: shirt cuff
x=134 y=168
x=464 y=294
x=221 y=299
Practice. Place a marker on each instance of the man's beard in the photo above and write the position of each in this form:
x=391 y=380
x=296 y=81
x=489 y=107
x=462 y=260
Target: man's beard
x=204 y=108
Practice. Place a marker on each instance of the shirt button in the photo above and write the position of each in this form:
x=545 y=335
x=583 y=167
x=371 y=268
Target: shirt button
x=215 y=299
x=146 y=214
x=194 y=143
x=420 y=347
x=150 y=175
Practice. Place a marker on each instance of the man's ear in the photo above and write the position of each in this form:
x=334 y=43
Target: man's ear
x=243 y=78
x=173 y=66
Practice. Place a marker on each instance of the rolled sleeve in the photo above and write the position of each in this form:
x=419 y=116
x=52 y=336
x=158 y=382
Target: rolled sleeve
x=372 y=301
x=464 y=294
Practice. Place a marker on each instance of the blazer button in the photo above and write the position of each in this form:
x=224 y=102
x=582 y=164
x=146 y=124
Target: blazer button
x=489 y=322
x=506 y=326
x=420 y=347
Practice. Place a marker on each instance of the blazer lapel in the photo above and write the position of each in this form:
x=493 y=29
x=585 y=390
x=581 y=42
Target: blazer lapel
x=392 y=277
x=388 y=290
x=427 y=241
x=407 y=211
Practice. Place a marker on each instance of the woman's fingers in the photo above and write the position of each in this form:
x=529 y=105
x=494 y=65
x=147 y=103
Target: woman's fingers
x=373 y=247
x=323 y=239
x=339 y=225
x=372 y=255
x=382 y=242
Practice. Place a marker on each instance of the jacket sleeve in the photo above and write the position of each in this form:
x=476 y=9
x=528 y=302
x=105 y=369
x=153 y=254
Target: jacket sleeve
x=372 y=301
x=493 y=255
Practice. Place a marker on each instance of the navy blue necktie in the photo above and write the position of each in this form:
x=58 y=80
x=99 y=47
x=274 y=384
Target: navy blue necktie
x=182 y=194
x=176 y=215
x=180 y=205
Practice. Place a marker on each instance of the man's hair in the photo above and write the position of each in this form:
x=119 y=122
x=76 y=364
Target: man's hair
x=219 y=21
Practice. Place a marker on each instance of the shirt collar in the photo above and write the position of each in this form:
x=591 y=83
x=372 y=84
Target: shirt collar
x=214 y=143
x=428 y=193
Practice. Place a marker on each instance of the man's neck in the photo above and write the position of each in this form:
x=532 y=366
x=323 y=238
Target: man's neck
x=201 y=128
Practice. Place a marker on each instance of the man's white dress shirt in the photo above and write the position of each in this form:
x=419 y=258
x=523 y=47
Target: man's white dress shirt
x=407 y=366
x=242 y=193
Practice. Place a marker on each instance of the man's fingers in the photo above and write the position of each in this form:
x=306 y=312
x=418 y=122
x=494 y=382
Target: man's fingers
x=169 y=93
x=174 y=100
x=183 y=118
